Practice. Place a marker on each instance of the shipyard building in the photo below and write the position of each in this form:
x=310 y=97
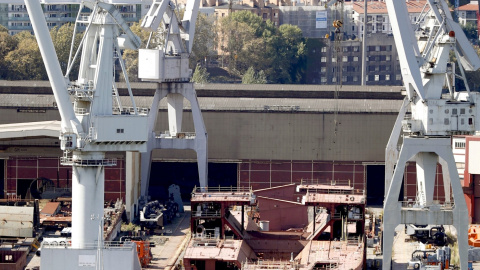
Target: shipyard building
x=259 y=136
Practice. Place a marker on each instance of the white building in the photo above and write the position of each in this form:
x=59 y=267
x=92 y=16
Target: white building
x=377 y=20
x=60 y=14
x=468 y=13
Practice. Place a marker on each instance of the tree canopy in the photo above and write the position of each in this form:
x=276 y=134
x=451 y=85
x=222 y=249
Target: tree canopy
x=20 y=57
x=248 y=41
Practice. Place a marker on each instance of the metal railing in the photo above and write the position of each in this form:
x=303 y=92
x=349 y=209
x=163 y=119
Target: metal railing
x=415 y=205
x=88 y=162
x=179 y=135
x=206 y=214
x=221 y=189
x=105 y=245
x=326 y=182
x=274 y=265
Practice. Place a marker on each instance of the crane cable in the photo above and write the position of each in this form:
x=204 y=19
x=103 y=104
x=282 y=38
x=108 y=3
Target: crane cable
x=338 y=56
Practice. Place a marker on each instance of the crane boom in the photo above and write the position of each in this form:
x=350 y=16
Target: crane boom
x=70 y=123
x=406 y=47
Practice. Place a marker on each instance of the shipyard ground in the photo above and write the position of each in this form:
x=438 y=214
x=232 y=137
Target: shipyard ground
x=403 y=249
x=169 y=247
x=170 y=244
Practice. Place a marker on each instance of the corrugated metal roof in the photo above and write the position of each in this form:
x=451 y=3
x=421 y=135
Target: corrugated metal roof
x=226 y=87
x=30 y=129
x=233 y=104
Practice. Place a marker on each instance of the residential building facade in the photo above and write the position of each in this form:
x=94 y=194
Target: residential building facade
x=16 y=19
x=345 y=64
x=468 y=13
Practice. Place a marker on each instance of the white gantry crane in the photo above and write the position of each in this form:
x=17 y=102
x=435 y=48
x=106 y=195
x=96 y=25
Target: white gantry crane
x=167 y=65
x=97 y=121
x=435 y=116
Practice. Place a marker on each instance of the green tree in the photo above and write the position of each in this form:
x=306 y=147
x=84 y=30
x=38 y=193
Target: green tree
x=25 y=62
x=470 y=30
x=7 y=44
x=62 y=40
x=204 y=40
x=200 y=75
x=251 y=42
x=252 y=77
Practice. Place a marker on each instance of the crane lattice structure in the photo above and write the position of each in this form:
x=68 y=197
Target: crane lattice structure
x=96 y=122
x=435 y=117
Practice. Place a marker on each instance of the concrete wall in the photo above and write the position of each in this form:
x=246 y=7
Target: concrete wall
x=289 y=136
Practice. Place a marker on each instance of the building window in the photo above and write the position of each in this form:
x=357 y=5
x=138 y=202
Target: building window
x=323 y=69
x=344 y=78
x=398 y=77
x=460 y=145
x=355 y=48
x=387 y=77
x=120 y=130
x=345 y=58
x=334 y=79
x=323 y=59
x=334 y=59
x=355 y=78
x=387 y=58
x=324 y=49
x=323 y=79
x=377 y=77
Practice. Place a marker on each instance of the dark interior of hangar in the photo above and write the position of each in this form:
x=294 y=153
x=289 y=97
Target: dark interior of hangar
x=185 y=175
x=375 y=184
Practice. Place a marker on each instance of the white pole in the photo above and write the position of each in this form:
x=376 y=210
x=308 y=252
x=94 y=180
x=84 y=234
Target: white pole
x=364 y=46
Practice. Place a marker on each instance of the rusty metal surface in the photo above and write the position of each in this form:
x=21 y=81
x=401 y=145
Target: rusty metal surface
x=316 y=198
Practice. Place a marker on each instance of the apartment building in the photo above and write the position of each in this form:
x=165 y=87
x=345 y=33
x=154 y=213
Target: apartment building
x=468 y=13
x=345 y=64
x=221 y=8
x=17 y=19
x=377 y=16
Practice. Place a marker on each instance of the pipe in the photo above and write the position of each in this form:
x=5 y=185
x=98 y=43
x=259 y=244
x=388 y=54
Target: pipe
x=50 y=59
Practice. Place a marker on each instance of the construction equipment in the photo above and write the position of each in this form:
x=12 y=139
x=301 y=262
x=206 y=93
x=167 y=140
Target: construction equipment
x=426 y=68
x=430 y=259
x=427 y=234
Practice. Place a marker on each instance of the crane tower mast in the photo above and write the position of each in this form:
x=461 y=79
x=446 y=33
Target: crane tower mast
x=435 y=116
x=97 y=122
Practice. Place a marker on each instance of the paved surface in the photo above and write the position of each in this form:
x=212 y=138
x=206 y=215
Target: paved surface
x=175 y=236
x=402 y=250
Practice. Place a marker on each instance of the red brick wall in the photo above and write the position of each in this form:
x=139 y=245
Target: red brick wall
x=34 y=167
x=264 y=174
x=410 y=183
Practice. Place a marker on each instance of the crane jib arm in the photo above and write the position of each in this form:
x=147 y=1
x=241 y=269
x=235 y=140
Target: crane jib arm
x=70 y=122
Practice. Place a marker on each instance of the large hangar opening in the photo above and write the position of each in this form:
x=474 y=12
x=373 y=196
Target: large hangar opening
x=375 y=184
x=185 y=175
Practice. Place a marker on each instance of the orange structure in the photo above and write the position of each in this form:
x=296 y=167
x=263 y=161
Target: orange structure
x=144 y=252
x=474 y=235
